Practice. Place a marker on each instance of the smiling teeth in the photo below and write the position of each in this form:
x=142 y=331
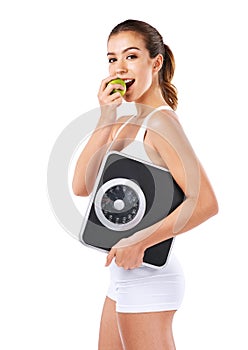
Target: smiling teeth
x=128 y=80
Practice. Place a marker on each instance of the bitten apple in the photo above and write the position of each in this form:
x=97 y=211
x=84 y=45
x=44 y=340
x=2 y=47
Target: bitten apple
x=121 y=82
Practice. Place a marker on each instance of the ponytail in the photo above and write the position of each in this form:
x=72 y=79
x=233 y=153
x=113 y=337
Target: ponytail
x=166 y=74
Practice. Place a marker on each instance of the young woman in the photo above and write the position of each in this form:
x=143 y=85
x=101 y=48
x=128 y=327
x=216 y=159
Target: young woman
x=141 y=301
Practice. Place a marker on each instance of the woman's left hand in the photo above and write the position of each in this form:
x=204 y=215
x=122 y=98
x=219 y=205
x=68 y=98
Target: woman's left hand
x=129 y=256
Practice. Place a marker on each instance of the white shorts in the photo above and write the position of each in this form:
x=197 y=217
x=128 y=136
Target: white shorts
x=146 y=289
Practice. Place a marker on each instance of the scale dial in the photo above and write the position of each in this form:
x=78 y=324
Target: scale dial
x=120 y=204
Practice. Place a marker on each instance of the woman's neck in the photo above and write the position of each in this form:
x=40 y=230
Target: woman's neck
x=152 y=97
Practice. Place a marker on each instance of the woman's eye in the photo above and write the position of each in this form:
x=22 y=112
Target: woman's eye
x=131 y=57
x=111 y=60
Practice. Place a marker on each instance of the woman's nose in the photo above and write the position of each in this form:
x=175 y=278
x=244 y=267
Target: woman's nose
x=121 y=68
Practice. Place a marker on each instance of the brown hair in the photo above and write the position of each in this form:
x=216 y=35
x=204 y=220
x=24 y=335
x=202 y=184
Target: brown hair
x=155 y=45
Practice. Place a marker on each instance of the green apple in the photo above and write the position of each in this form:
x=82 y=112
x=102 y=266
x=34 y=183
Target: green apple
x=121 y=82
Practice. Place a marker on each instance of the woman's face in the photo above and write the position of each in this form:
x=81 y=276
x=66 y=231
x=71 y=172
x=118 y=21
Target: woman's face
x=129 y=60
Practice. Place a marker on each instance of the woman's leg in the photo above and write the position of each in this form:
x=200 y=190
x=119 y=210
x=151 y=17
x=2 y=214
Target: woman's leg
x=109 y=336
x=146 y=331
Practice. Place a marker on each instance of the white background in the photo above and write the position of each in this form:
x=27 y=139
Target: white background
x=52 y=62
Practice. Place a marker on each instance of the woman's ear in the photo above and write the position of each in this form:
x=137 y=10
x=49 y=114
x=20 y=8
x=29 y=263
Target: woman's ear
x=158 y=62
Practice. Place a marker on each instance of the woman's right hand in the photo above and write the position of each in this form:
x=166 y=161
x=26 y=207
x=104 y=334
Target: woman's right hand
x=109 y=102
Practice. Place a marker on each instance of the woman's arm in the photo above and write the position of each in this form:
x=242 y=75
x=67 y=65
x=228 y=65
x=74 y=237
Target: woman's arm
x=168 y=138
x=170 y=141
x=91 y=157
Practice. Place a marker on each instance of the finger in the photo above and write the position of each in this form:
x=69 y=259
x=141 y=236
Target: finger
x=105 y=82
x=110 y=257
x=115 y=87
x=116 y=96
x=116 y=99
x=108 y=96
x=111 y=90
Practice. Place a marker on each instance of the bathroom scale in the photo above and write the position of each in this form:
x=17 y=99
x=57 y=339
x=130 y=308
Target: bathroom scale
x=129 y=195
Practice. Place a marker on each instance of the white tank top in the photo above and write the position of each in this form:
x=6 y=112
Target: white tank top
x=136 y=147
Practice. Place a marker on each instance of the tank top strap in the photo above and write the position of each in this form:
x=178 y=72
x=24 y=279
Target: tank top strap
x=141 y=133
x=118 y=132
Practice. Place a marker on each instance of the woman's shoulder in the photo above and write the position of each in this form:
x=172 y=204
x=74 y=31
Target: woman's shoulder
x=163 y=120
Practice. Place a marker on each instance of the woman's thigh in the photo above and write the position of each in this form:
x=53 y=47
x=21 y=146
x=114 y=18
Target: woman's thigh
x=146 y=331
x=109 y=336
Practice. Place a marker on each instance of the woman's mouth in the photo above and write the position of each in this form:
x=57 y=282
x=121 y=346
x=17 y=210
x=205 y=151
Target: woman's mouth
x=129 y=82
